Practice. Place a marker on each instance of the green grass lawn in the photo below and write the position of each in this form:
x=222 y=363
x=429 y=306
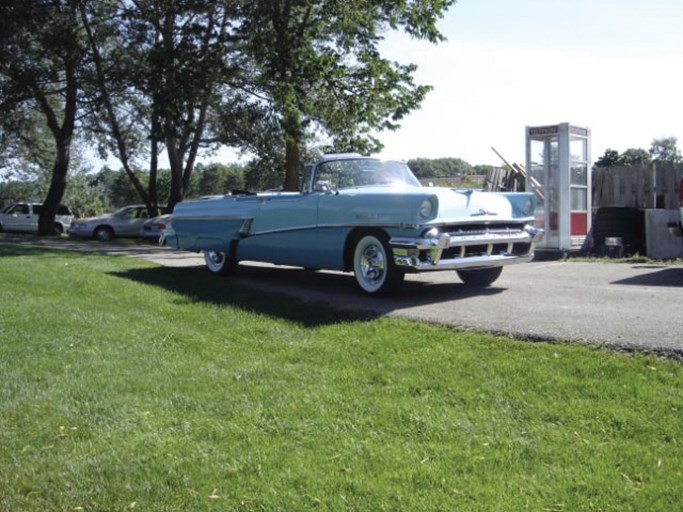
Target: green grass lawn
x=128 y=386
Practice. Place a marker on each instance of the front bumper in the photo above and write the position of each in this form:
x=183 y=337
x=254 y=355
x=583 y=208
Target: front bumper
x=80 y=232
x=454 y=251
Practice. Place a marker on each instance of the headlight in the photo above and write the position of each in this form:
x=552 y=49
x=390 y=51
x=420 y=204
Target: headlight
x=426 y=209
x=432 y=233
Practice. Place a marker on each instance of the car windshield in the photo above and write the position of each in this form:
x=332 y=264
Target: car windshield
x=362 y=172
x=124 y=213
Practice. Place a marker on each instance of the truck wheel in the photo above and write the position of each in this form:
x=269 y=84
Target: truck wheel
x=373 y=266
x=480 y=278
x=219 y=263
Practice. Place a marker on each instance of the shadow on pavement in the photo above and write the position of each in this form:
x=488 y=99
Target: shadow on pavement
x=669 y=277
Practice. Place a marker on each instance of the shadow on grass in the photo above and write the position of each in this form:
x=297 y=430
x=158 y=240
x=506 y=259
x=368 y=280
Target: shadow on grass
x=304 y=296
x=26 y=250
x=196 y=284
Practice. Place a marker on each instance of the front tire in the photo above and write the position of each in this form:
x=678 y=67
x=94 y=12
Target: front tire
x=104 y=234
x=219 y=263
x=373 y=266
x=480 y=278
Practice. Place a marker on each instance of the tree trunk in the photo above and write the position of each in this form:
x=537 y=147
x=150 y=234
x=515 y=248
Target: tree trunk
x=293 y=136
x=62 y=134
x=46 y=221
x=176 y=163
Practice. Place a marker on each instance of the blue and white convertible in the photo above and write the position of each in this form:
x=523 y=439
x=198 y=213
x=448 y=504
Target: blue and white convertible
x=364 y=215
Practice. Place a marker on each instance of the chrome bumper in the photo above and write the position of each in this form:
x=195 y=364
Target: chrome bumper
x=167 y=237
x=425 y=254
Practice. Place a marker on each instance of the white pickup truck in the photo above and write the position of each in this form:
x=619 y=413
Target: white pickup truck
x=676 y=228
x=24 y=217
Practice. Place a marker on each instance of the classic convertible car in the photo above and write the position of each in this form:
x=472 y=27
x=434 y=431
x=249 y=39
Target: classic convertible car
x=364 y=215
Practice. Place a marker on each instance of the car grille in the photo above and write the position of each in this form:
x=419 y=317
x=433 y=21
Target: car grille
x=496 y=248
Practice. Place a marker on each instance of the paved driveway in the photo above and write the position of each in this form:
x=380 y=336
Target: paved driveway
x=638 y=306
x=629 y=305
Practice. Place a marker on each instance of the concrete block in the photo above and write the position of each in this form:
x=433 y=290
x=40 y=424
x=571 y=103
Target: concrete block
x=660 y=243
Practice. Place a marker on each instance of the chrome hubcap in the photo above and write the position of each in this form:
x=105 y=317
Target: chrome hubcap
x=215 y=257
x=372 y=264
x=214 y=260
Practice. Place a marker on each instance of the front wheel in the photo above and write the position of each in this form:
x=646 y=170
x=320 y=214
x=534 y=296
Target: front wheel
x=373 y=266
x=219 y=263
x=104 y=234
x=480 y=278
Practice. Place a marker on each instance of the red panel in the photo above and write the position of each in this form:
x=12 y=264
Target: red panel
x=579 y=221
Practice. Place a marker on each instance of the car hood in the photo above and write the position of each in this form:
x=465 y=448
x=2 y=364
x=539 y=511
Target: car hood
x=89 y=220
x=457 y=205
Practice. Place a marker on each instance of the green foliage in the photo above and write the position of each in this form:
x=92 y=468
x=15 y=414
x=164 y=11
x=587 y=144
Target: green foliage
x=439 y=167
x=666 y=150
x=41 y=63
x=635 y=156
x=217 y=179
x=632 y=156
x=318 y=64
x=84 y=195
x=611 y=158
x=661 y=150
x=165 y=390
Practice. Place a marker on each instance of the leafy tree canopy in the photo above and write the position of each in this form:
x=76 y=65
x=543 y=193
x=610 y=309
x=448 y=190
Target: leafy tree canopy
x=666 y=150
x=439 y=167
x=661 y=150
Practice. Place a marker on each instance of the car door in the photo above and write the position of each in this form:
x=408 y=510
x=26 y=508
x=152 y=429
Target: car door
x=130 y=224
x=17 y=218
x=284 y=230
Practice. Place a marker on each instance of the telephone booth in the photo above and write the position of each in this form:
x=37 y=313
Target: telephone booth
x=558 y=172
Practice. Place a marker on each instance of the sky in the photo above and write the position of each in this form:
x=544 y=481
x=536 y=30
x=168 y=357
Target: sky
x=614 y=66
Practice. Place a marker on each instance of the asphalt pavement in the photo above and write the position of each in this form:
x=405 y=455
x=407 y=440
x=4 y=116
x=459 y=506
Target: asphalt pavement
x=629 y=306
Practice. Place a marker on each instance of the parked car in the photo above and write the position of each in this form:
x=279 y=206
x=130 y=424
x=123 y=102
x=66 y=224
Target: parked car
x=364 y=215
x=151 y=229
x=125 y=222
x=24 y=217
x=676 y=228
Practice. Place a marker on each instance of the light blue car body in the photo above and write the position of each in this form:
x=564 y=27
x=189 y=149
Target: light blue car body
x=428 y=228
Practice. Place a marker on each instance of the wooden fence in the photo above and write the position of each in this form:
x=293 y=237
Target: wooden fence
x=651 y=186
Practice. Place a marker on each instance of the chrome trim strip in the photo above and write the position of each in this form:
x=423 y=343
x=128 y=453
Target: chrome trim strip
x=302 y=227
x=212 y=218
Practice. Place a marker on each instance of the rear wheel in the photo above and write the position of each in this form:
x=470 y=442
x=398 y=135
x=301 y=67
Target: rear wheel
x=481 y=277
x=373 y=266
x=218 y=262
